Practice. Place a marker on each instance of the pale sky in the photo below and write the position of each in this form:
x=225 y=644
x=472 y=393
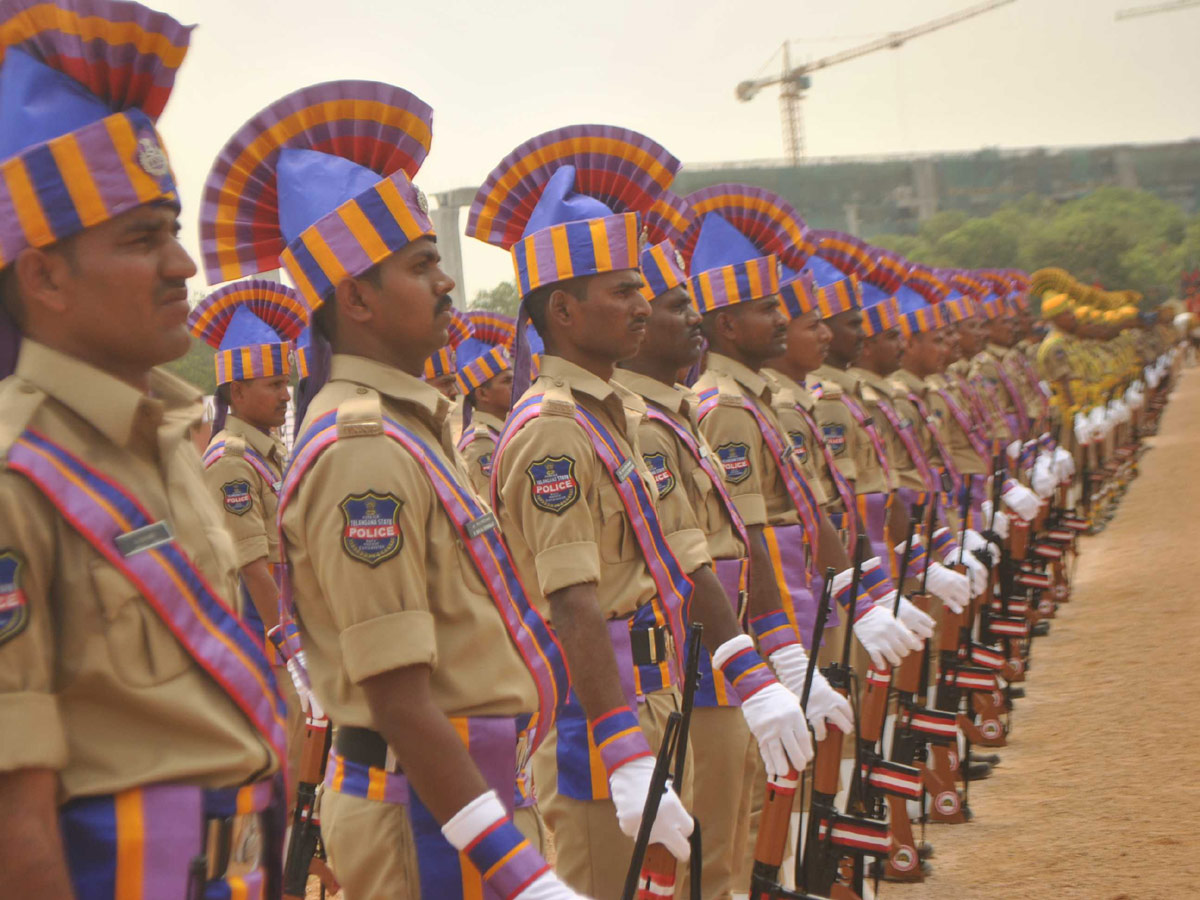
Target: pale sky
x=1033 y=73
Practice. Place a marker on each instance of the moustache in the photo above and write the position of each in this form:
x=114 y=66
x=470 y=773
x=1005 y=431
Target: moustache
x=445 y=304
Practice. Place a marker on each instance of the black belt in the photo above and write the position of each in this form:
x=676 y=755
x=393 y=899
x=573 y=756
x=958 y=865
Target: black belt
x=648 y=646
x=361 y=745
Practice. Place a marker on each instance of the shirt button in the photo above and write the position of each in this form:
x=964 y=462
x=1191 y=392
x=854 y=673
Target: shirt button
x=362 y=390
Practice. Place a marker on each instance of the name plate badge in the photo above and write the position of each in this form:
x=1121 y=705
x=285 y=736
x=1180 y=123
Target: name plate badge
x=482 y=525
x=142 y=539
x=625 y=470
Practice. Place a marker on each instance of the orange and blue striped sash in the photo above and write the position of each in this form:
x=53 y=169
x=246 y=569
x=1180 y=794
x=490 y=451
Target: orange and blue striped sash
x=860 y=416
x=477 y=529
x=256 y=460
x=909 y=439
x=840 y=482
x=797 y=488
x=103 y=511
x=976 y=441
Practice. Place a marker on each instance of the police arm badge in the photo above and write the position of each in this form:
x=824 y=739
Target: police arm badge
x=554 y=487
x=735 y=460
x=14 y=606
x=371 y=530
x=237 y=497
x=664 y=478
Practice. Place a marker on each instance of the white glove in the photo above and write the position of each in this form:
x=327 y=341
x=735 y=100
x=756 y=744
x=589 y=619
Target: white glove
x=1098 y=423
x=308 y=700
x=548 y=887
x=776 y=720
x=483 y=814
x=1083 y=429
x=919 y=624
x=885 y=639
x=999 y=523
x=629 y=784
x=1043 y=478
x=1013 y=450
x=1064 y=465
x=842 y=579
x=1021 y=500
x=973 y=540
x=953 y=588
x=824 y=703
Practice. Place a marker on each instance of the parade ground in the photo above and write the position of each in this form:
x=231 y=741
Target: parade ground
x=1097 y=793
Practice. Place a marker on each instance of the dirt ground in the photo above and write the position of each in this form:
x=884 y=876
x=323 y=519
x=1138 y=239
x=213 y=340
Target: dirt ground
x=1098 y=793
x=1099 y=789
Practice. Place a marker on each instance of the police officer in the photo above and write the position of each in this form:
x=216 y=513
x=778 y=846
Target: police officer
x=577 y=503
x=420 y=642
x=142 y=725
x=485 y=382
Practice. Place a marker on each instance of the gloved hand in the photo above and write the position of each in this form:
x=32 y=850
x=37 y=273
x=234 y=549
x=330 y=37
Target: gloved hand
x=824 y=703
x=977 y=572
x=884 y=638
x=772 y=712
x=1000 y=523
x=973 y=541
x=1020 y=500
x=308 y=700
x=1064 y=465
x=486 y=815
x=1098 y=423
x=629 y=784
x=1043 y=478
x=1083 y=429
x=1013 y=450
x=953 y=588
x=918 y=623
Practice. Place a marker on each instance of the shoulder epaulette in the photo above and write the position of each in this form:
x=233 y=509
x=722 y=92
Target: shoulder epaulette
x=558 y=401
x=235 y=445
x=868 y=393
x=19 y=400
x=360 y=416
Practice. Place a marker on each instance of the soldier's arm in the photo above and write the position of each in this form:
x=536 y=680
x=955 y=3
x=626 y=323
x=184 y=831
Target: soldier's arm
x=31 y=850
x=34 y=746
x=237 y=488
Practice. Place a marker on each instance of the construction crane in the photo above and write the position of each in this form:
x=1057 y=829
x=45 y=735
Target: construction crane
x=793 y=82
x=1155 y=9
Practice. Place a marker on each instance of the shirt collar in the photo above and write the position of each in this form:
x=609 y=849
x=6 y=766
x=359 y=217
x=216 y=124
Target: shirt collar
x=746 y=377
x=487 y=420
x=116 y=409
x=871 y=379
x=391 y=382
x=841 y=377
x=672 y=398
x=911 y=381
x=263 y=443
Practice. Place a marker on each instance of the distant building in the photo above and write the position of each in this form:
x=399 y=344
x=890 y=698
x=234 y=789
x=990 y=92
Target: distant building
x=873 y=195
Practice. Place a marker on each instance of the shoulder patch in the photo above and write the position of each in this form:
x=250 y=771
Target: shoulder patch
x=799 y=445
x=835 y=437
x=371 y=533
x=735 y=460
x=868 y=393
x=485 y=464
x=554 y=487
x=664 y=478
x=237 y=497
x=14 y=607
x=727 y=399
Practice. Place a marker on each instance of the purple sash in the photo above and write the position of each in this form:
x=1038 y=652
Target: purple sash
x=476 y=528
x=115 y=523
x=1022 y=412
x=256 y=460
x=845 y=492
x=976 y=441
x=915 y=451
x=860 y=416
x=943 y=451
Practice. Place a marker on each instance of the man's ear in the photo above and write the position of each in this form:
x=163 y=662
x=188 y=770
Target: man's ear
x=350 y=297
x=41 y=279
x=237 y=390
x=559 y=307
x=725 y=323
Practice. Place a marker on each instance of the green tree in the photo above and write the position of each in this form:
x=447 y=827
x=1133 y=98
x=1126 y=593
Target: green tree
x=196 y=367
x=503 y=298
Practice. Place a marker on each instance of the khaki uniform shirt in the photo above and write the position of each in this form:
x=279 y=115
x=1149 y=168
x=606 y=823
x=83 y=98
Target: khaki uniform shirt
x=851 y=445
x=805 y=444
x=751 y=474
x=248 y=501
x=366 y=606
x=558 y=508
x=1013 y=363
x=678 y=476
x=94 y=684
x=966 y=460
x=478 y=454
x=903 y=383
x=874 y=390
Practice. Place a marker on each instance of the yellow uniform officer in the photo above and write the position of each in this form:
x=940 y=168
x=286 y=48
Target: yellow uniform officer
x=142 y=725
x=485 y=383
x=420 y=642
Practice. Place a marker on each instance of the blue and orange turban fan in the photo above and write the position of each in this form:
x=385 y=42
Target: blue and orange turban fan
x=320 y=181
x=82 y=83
x=486 y=354
x=838 y=267
x=880 y=306
x=566 y=204
x=922 y=302
x=252 y=325
x=444 y=361
x=738 y=243
x=663 y=265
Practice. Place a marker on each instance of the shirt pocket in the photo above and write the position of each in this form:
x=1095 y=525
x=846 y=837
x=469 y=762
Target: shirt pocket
x=143 y=651
x=617 y=541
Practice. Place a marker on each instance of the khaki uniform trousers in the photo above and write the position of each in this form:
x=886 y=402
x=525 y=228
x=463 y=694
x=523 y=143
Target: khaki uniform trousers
x=591 y=852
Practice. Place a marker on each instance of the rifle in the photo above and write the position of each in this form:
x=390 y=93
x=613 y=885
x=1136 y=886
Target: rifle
x=818 y=868
x=655 y=865
x=305 y=853
x=658 y=786
x=776 y=818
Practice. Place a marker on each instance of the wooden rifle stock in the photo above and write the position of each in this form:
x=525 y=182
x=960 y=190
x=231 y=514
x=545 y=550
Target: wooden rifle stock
x=304 y=854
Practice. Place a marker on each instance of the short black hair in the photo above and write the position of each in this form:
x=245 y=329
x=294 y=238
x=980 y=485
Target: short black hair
x=225 y=394
x=538 y=300
x=324 y=319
